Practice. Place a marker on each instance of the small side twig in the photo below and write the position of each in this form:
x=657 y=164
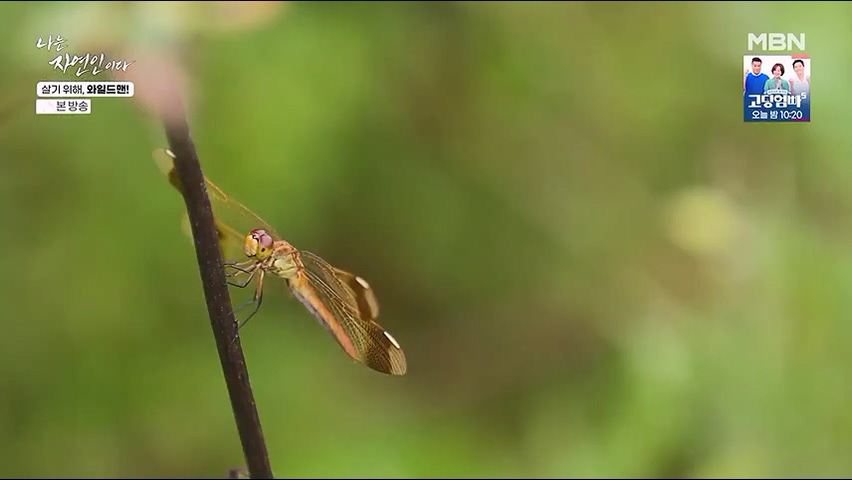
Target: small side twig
x=216 y=294
x=237 y=473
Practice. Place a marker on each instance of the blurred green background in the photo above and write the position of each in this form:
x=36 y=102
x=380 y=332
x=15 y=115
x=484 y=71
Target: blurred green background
x=594 y=266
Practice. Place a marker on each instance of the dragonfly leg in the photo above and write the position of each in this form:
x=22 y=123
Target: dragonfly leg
x=249 y=270
x=244 y=283
x=239 y=267
x=257 y=299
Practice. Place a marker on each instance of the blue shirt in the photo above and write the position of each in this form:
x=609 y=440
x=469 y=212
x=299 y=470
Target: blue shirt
x=754 y=83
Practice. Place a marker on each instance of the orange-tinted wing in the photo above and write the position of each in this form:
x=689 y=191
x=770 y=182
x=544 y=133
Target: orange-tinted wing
x=233 y=219
x=352 y=311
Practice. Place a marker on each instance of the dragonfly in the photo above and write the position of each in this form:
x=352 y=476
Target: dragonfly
x=253 y=251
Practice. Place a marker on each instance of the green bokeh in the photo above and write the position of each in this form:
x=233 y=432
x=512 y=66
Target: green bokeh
x=594 y=266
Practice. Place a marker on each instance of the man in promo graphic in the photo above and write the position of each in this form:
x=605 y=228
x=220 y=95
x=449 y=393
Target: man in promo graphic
x=754 y=80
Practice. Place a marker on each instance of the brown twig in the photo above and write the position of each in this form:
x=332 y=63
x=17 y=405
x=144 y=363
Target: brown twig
x=237 y=473
x=217 y=296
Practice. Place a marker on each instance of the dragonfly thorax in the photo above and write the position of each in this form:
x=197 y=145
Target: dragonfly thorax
x=284 y=261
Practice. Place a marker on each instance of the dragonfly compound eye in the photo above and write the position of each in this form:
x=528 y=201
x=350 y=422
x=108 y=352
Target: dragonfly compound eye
x=258 y=243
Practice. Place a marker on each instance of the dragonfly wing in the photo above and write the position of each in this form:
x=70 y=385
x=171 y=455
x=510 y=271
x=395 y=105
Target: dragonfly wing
x=368 y=304
x=233 y=219
x=356 y=290
x=335 y=305
x=230 y=241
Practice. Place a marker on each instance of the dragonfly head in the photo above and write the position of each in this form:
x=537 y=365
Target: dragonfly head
x=258 y=244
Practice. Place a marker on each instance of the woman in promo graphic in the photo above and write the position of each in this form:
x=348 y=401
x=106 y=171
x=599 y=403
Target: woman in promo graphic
x=776 y=82
x=799 y=82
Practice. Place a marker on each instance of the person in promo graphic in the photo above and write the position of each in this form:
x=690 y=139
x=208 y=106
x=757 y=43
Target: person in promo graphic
x=754 y=81
x=799 y=82
x=776 y=82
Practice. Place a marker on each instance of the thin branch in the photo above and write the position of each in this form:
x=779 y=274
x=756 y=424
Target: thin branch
x=217 y=296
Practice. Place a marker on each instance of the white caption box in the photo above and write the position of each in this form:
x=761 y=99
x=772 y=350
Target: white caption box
x=79 y=106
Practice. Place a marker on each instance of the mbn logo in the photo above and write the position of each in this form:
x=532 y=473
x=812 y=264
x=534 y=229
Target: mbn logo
x=776 y=42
